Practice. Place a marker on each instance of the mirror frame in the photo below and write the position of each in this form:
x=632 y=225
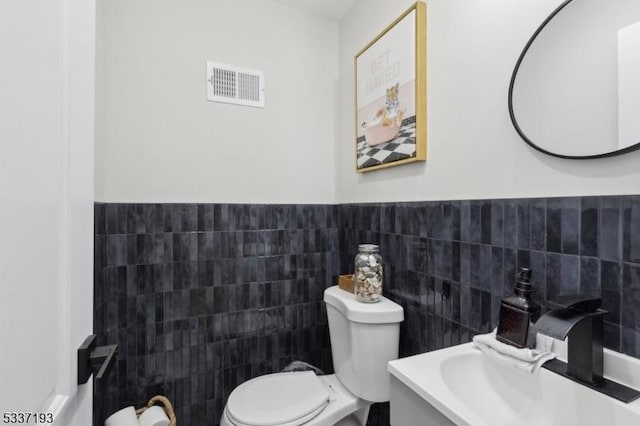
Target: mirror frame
x=512 y=115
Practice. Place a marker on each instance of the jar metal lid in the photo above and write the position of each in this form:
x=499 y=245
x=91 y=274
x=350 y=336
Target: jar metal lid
x=369 y=247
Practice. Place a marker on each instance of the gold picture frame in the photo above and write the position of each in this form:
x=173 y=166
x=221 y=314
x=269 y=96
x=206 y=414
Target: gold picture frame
x=390 y=94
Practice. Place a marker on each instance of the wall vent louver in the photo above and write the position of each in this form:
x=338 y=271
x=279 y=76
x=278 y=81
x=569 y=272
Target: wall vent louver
x=235 y=85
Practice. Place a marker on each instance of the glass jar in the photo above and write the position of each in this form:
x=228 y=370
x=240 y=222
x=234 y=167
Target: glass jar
x=367 y=277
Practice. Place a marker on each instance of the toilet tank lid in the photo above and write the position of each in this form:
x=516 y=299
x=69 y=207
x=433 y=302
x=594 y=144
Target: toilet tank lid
x=383 y=312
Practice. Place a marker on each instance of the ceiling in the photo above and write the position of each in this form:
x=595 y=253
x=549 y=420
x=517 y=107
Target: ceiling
x=331 y=9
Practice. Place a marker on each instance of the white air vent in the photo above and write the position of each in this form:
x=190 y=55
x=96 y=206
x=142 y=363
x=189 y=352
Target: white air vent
x=234 y=85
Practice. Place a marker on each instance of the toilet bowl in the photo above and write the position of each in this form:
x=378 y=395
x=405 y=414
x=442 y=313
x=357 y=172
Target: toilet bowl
x=364 y=337
x=276 y=400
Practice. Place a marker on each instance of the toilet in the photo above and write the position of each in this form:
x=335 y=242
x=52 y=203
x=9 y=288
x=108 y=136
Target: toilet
x=364 y=337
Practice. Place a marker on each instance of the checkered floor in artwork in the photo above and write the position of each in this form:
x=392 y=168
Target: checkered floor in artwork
x=403 y=146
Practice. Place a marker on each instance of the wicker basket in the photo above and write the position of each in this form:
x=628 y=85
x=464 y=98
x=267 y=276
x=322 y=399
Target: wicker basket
x=345 y=282
x=166 y=405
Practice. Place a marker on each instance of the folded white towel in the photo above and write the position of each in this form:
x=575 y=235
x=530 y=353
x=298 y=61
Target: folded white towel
x=154 y=416
x=526 y=359
x=125 y=417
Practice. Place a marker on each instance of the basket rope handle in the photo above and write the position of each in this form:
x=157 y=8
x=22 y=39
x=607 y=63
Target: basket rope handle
x=164 y=401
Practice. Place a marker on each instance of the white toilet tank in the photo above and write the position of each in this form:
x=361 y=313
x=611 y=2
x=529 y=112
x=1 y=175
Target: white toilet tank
x=364 y=337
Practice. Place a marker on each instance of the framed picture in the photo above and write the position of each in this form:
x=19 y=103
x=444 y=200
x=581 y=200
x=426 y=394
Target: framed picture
x=390 y=85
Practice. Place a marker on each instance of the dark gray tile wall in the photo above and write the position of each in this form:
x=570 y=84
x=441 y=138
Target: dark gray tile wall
x=201 y=297
x=450 y=263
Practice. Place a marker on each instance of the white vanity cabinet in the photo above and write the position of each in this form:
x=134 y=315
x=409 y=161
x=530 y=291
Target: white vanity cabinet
x=409 y=409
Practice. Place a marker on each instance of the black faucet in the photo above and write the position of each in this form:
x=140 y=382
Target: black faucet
x=581 y=320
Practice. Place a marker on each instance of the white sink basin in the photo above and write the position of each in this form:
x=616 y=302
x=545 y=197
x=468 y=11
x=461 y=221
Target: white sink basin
x=470 y=389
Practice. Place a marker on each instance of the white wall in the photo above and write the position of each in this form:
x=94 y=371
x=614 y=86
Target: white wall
x=159 y=140
x=628 y=85
x=472 y=149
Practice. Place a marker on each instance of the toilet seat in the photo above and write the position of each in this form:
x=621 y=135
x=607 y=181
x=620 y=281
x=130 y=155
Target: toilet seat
x=281 y=399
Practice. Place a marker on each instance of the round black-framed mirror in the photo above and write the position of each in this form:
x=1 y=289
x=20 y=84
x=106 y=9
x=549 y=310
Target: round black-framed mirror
x=544 y=110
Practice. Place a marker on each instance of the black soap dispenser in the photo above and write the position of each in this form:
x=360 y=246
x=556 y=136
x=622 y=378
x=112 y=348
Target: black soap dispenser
x=518 y=313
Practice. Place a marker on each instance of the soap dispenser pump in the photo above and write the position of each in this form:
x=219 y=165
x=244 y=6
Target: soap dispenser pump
x=518 y=313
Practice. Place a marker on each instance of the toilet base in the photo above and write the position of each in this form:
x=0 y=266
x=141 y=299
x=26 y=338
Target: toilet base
x=359 y=418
